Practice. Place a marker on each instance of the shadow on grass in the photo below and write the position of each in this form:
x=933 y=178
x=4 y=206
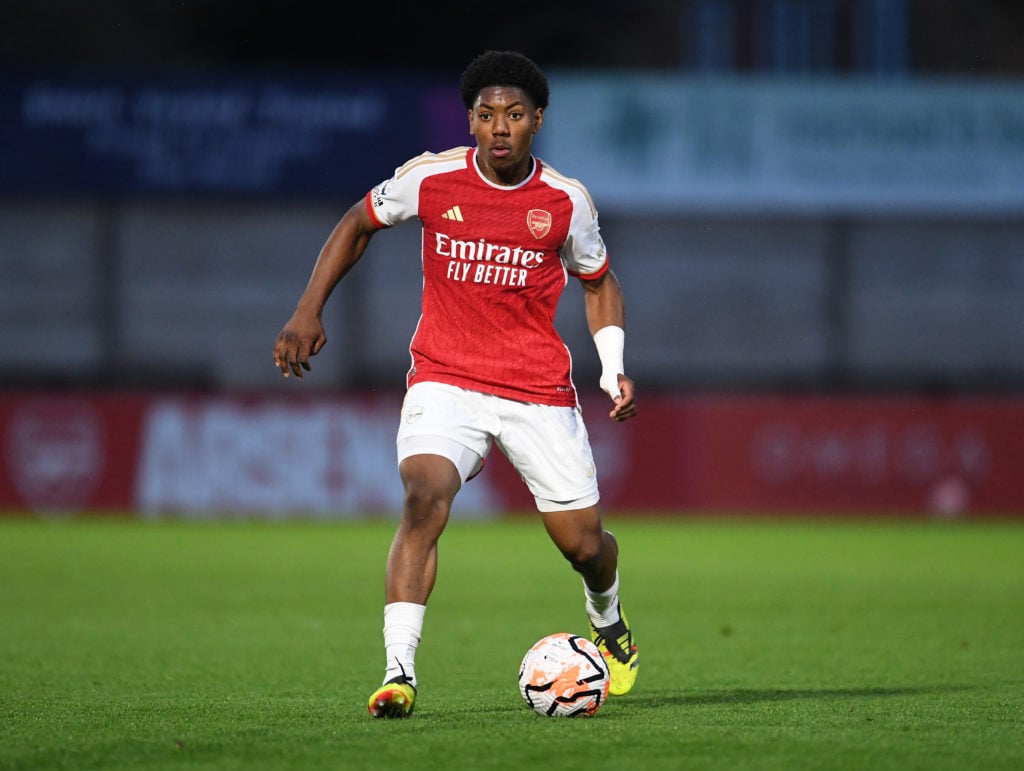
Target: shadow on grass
x=738 y=697
x=755 y=696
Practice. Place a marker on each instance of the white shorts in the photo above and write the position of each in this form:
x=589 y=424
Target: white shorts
x=547 y=445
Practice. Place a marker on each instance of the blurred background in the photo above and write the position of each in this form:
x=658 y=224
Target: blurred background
x=815 y=208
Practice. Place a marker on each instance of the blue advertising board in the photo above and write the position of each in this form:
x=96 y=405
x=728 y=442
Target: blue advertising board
x=807 y=146
x=280 y=135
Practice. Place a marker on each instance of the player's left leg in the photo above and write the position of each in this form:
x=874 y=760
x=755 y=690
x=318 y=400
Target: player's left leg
x=550 y=448
x=593 y=553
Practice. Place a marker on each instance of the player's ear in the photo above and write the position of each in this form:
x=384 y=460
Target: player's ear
x=538 y=119
x=469 y=114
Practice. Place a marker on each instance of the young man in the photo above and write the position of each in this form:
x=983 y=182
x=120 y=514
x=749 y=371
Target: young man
x=501 y=232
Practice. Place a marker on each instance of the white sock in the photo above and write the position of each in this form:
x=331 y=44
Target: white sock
x=603 y=607
x=403 y=624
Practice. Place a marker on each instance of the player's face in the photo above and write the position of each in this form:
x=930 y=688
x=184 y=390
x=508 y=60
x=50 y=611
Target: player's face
x=504 y=120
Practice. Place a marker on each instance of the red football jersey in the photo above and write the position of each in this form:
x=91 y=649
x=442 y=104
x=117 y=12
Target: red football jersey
x=495 y=262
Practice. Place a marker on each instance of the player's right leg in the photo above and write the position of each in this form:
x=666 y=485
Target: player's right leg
x=439 y=449
x=430 y=483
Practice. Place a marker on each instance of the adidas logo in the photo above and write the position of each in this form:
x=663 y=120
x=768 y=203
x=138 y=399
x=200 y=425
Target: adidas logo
x=454 y=213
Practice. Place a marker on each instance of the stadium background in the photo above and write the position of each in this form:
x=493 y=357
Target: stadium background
x=814 y=206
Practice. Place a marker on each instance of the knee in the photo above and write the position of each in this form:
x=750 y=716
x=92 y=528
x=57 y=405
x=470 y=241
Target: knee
x=425 y=502
x=594 y=553
x=430 y=483
x=586 y=552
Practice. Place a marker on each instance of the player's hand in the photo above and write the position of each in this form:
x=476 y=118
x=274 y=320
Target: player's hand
x=625 y=402
x=303 y=336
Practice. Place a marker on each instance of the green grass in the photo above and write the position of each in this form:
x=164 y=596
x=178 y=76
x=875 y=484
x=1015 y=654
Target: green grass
x=788 y=645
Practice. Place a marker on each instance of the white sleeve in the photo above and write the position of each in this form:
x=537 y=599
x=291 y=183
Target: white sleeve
x=396 y=200
x=584 y=251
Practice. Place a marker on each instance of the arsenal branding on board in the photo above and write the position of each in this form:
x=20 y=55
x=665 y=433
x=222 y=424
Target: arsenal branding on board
x=539 y=222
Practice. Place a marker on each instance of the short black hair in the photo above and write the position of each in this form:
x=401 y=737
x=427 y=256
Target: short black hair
x=503 y=68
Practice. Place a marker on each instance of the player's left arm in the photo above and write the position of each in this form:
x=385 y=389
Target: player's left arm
x=606 y=318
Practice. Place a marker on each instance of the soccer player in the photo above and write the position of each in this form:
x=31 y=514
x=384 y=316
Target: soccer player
x=501 y=232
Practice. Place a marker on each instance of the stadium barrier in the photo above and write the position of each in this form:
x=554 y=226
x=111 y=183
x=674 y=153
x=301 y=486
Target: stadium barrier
x=261 y=456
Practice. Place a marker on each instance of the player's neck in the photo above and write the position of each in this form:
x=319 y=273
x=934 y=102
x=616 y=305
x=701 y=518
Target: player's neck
x=509 y=177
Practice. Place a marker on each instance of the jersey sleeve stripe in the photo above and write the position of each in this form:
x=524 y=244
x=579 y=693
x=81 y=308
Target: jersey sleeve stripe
x=591 y=276
x=368 y=201
x=456 y=153
x=573 y=183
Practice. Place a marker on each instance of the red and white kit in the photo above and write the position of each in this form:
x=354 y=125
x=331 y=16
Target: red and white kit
x=495 y=262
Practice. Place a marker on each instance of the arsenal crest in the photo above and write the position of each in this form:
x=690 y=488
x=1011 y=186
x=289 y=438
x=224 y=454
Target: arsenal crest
x=539 y=222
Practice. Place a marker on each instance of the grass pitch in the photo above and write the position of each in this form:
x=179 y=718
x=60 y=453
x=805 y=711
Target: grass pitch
x=788 y=645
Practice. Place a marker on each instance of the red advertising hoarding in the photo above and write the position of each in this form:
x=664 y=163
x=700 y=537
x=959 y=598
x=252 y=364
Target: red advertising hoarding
x=277 y=456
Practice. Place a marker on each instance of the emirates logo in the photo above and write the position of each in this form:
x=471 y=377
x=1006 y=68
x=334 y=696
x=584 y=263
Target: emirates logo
x=539 y=222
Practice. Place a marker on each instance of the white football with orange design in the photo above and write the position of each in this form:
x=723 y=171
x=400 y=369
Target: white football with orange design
x=564 y=675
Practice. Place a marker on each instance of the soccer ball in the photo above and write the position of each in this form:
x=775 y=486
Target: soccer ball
x=564 y=675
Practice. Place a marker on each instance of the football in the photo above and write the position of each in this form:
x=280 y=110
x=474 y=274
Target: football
x=564 y=675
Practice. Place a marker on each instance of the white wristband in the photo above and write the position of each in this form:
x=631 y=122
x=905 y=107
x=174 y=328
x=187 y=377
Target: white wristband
x=610 y=342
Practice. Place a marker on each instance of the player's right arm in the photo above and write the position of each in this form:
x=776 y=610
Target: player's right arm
x=303 y=336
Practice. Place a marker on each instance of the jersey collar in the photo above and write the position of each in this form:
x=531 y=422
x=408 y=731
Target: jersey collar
x=533 y=172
